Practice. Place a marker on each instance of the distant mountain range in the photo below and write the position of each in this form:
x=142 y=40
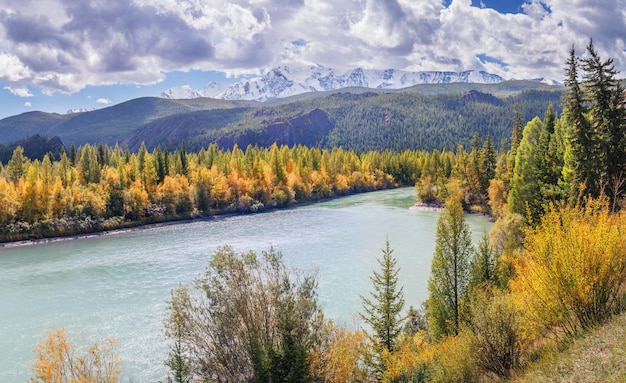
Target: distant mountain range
x=424 y=116
x=288 y=81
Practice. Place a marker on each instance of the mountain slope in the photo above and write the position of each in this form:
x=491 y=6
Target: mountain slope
x=107 y=125
x=420 y=117
x=598 y=356
x=28 y=124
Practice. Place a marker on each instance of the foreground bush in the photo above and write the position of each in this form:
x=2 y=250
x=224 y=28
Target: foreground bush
x=573 y=268
x=57 y=362
x=497 y=340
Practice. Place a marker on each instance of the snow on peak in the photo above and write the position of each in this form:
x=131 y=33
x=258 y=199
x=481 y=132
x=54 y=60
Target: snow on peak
x=285 y=81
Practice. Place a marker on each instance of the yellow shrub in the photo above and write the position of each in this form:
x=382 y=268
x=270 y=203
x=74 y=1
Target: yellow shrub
x=569 y=277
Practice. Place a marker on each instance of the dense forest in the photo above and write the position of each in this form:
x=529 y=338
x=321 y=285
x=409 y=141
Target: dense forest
x=101 y=188
x=552 y=269
x=420 y=118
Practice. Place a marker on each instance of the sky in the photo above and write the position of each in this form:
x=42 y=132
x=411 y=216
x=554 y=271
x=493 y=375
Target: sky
x=57 y=55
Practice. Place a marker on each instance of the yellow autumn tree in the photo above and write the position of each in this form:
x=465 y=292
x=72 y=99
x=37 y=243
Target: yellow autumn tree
x=57 y=362
x=339 y=356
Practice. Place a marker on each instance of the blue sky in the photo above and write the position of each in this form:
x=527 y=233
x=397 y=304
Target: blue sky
x=57 y=55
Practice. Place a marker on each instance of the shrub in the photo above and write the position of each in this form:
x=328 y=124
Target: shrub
x=497 y=341
x=570 y=275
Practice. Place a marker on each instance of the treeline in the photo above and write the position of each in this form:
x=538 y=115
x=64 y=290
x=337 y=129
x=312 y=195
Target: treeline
x=393 y=121
x=35 y=147
x=100 y=188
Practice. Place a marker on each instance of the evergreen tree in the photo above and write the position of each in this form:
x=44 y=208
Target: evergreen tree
x=184 y=162
x=518 y=127
x=552 y=149
x=382 y=310
x=607 y=116
x=73 y=154
x=141 y=160
x=487 y=161
x=483 y=265
x=178 y=351
x=88 y=164
x=450 y=271
x=525 y=197
x=576 y=169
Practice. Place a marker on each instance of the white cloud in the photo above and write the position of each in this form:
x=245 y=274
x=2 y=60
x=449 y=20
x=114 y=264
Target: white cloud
x=12 y=69
x=20 y=91
x=28 y=104
x=104 y=101
x=62 y=46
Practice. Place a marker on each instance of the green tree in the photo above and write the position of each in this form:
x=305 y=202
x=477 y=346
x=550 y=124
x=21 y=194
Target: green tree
x=382 y=310
x=525 y=197
x=73 y=154
x=253 y=320
x=483 y=265
x=518 y=127
x=88 y=164
x=552 y=148
x=607 y=116
x=17 y=164
x=595 y=118
x=175 y=330
x=184 y=161
x=450 y=271
x=487 y=161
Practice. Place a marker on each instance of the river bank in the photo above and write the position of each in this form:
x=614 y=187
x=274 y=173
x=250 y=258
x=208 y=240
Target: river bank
x=130 y=226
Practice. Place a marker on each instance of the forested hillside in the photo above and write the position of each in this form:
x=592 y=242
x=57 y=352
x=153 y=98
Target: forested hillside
x=418 y=118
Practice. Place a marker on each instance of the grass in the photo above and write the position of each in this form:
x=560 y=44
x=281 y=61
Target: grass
x=599 y=356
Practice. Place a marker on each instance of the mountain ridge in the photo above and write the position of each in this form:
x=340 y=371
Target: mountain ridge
x=423 y=116
x=286 y=81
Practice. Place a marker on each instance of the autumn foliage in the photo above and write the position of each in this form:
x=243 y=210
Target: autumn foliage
x=101 y=188
x=57 y=362
x=572 y=272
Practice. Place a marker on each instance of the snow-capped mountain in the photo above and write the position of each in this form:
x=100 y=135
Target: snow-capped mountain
x=77 y=110
x=288 y=81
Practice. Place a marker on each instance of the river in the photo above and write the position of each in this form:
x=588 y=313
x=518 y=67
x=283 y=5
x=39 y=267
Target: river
x=117 y=285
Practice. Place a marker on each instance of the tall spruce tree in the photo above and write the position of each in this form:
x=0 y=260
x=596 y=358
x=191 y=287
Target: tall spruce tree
x=450 y=271
x=579 y=139
x=382 y=310
x=487 y=162
x=607 y=116
x=525 y=197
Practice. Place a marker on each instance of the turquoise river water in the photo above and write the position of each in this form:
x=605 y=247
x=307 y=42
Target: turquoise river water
x=117 y=285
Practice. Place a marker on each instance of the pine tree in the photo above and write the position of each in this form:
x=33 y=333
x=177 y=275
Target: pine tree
x=184 y=162
x=487 y=161
x=483 y=264
x=607 y=116
x=525 y=197
x=518 y=127
x=73 y=154
x=450 y=271
x=382 y=310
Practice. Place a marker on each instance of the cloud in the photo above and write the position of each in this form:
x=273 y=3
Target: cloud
x=19 y=91
x=103 y=101
x=65 y=45
x=28 y=104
